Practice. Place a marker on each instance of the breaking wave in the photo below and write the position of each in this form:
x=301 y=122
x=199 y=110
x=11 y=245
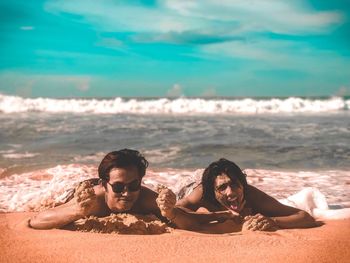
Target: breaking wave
x=15 y=104
x=328 y=198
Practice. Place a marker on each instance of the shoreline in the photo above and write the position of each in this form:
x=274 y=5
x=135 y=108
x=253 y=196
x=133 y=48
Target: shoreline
x=19 y=243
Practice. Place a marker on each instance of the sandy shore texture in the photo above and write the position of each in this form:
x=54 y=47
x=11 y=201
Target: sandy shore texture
x=19 y=243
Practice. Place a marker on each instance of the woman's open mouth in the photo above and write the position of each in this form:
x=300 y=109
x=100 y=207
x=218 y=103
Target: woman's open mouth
x=233 y=204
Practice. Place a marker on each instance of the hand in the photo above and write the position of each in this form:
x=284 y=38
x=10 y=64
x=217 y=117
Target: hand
x=232 y=215
x=86 y=200
x=259 y=222
x=166 y=201
x=222 y=216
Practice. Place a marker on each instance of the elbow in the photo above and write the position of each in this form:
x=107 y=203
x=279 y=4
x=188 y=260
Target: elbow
x=39 y=223
x=35 y=223
x=187 y=225
x=307 y=219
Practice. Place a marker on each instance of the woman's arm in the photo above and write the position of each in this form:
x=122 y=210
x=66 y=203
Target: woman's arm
x=284 y=216
x=184 y=213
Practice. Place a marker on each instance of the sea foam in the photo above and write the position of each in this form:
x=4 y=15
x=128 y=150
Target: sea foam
x=14 y=104
x=38 y=190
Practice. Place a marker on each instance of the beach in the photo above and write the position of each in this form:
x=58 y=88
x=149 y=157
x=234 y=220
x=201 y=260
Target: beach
x=296 y=150
x=237 y=110
x=19 y=243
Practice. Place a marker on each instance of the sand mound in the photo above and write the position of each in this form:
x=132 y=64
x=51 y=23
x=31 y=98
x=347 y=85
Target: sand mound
x=84 y=191
x=116 y=223
x=122 y=224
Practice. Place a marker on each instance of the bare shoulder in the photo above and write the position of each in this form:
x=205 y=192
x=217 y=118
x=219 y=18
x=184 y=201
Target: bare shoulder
x=253 y=192
x=265 y=204
x=99 y=190
x=146 y=202
x=256 y=197
x=194 y=200
x=147 y=193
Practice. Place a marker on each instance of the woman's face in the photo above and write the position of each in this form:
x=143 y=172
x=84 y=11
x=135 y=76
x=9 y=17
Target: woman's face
x=229 y=193
x=122 y=189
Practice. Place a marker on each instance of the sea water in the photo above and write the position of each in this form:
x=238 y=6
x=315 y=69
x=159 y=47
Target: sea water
x=286 y=146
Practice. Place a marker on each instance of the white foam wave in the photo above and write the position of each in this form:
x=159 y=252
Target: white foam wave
x=19 y=155
x=311 y=200
x=36 y=190
x=97 y=157
x=13 y=104
x=41 y=189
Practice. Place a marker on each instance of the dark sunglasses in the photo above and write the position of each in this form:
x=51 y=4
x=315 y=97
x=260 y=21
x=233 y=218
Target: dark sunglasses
x=119 y=187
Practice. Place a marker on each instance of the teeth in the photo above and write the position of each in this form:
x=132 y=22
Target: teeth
x=233 y=207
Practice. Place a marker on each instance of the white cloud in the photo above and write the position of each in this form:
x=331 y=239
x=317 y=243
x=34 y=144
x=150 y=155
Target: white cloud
x=25 y=89
x=81 y=83
x=210 y=92
x=118 y=16
x=222 y=29
x=27 y=28
x=175 y=91
x=24 y=84
x=343 y=91
x=226 y=17
x=276 y=54
x=263 y=50
x=110 y=42
x=256 y=15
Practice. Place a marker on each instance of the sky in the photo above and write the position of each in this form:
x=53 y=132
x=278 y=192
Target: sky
x=171 y=48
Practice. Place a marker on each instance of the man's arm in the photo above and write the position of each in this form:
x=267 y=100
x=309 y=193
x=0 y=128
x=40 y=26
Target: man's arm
x=205 y=221
x=184 y=214
x=56 y=217
x=69 y=212
x=284 y=216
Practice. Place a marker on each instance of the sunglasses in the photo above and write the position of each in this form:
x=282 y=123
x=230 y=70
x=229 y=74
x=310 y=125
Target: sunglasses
x=119 y=187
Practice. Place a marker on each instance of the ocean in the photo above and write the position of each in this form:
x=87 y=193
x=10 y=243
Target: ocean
x=285 y=145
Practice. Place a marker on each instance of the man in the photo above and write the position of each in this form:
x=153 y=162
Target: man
x=118 y=190
x=224 y=201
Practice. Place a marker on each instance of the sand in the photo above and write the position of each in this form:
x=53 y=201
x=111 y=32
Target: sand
x=18 y=243
x=122 y=224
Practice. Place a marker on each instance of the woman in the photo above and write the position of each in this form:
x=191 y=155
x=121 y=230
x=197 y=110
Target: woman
x=224 y=201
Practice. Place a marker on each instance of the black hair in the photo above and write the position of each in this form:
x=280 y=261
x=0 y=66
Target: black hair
x=222 y=166
x=122 y=159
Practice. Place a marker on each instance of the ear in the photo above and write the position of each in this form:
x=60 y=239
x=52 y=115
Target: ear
x=103 y=183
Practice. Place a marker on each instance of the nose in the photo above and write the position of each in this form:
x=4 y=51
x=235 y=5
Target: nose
x=125 y=192
x=229 y=190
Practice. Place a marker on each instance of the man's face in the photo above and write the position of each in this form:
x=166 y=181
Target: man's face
x=127 y=183
x=229 y=193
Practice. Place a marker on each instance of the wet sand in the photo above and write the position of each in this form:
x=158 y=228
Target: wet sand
x=19 y=243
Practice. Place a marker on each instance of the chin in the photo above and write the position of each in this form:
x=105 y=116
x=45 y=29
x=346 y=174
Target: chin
x=125 y=207
x=119 y=208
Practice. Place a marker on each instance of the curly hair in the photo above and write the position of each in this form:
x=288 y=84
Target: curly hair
x=122 y=159
x=222 y=166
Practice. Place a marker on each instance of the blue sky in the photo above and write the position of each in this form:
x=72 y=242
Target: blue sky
x=86 y=48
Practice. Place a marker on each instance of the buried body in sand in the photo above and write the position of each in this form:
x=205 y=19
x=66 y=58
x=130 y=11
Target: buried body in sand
x=122 y=223
x=222 y=203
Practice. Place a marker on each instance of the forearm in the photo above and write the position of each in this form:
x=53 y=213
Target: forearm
x=299 y=220
x=54 y=218
x=187 y=219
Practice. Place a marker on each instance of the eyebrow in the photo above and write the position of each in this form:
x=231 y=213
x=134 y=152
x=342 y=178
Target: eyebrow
x=229 y=182
x=224 y=183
